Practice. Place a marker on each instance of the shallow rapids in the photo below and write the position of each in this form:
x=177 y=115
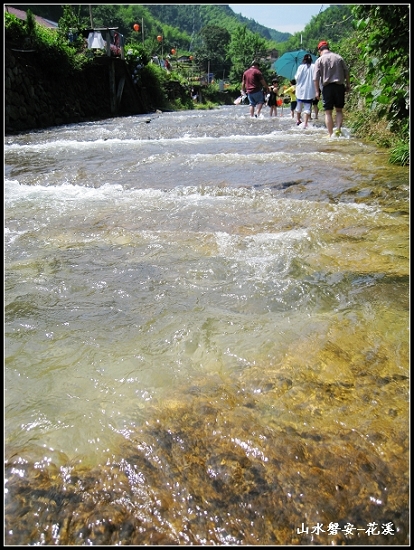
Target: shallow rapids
x=206 y=334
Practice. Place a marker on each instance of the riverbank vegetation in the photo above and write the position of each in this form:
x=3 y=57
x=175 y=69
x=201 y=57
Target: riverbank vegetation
x=378 y=55
x=208 y=47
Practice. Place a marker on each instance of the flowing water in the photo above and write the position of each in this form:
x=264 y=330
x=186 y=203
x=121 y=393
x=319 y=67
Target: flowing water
x=206 y=324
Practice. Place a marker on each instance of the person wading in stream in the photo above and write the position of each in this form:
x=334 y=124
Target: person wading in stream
x=304 y=90
x=332 y=73
x=253 y=84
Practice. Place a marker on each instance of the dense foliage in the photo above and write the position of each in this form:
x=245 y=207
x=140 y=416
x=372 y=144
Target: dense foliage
x=245 y=46
x=377 y=52
x=384 y=49
x=212 y=50
x=373 y=39
x=58 y=55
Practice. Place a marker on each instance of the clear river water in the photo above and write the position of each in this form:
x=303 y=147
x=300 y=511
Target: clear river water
x=206 y=334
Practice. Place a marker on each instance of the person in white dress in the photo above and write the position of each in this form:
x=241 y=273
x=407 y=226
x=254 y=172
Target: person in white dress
x=305 y=90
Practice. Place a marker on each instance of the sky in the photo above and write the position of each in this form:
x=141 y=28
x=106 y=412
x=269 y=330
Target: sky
x=280 y=17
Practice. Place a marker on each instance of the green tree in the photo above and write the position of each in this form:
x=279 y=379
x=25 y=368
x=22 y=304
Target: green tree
x=30 y=24
x=70 y=24
x=244 y=47
x=212 y=49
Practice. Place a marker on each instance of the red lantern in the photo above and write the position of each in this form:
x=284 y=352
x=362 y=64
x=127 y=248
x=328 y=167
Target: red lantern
x=173 y=51
x=136 y=27
x=159 y=38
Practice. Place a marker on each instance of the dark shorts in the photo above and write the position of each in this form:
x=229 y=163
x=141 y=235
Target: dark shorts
x=315 y=101
x=293 y=105
x=333 y=95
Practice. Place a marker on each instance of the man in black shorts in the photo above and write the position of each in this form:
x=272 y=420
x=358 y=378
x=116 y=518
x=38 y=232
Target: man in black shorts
x=332 y=73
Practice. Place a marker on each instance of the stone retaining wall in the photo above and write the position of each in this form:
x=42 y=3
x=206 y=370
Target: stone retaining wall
x=35 y=99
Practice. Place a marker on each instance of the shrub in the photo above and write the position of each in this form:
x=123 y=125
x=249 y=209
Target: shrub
x=400 y=154
x=60 y=60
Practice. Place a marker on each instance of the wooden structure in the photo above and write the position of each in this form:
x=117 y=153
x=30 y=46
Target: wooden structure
x=114 y=89
x=108 y=38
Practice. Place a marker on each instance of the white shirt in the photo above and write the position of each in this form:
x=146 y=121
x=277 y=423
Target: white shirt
x=95 y=40
x=305 y=88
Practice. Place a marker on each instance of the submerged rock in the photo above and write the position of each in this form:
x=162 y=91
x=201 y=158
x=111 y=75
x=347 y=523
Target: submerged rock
x=197 y=474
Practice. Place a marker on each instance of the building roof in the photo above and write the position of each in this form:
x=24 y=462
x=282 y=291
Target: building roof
x=40 y=20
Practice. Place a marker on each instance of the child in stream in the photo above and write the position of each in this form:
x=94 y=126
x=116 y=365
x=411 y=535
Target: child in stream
x=272 y=97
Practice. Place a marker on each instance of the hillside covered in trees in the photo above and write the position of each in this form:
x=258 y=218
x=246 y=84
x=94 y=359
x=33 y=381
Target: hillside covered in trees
x=187 y=18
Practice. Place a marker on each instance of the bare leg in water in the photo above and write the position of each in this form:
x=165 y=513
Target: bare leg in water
x=259 y=108
x=329 y=120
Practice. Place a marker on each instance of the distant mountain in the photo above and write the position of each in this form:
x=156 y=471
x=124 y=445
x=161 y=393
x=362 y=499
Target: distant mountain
x=191 y=18
x=269 y=34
